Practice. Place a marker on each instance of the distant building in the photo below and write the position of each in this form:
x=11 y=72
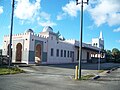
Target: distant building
x=46 y=48
x=98 y=42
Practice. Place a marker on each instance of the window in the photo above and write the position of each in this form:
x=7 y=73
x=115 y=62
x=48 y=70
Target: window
x=61 y=53
x=71 y=54
x=64 y=53
x=96 y=44
x=68 y=54
x=52 y=51
x=57 y=52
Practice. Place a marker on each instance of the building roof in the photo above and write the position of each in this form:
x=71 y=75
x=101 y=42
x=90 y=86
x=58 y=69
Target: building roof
x=87 y=46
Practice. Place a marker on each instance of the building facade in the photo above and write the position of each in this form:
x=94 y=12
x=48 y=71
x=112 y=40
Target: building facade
x=46 y=48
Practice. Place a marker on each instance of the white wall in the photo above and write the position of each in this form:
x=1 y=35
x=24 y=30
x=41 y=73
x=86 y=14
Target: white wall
x=22 y=38
x=61 y=45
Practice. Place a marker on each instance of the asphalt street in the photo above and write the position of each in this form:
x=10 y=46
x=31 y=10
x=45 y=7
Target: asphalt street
x=57 y=82
x=33 y=80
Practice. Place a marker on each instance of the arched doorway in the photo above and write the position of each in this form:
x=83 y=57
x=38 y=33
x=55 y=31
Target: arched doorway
x=38 y=54
x=18 y=52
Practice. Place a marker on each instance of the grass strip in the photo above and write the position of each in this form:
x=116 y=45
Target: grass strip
x=11 y=70
x=86 y=77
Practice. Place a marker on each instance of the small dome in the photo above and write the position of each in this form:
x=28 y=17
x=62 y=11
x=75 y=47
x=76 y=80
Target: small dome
x=29 y=30
x=47 y=29
x=61 y=37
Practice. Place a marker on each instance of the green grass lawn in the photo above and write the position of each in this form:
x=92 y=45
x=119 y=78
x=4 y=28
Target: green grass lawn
x=100 y=71
x=12 y=70
x=87 y=77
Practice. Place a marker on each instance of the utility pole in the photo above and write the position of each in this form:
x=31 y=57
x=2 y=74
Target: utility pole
x=81 y=30
x=99 y=59
x=11 y=29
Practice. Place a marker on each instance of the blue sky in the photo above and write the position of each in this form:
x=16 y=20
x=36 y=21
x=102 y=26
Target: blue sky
x=64 y=16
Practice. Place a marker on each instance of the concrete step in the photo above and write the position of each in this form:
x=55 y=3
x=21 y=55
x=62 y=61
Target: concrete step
x=20 y=64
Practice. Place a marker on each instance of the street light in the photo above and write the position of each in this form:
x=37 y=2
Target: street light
x=11 y=29
x=99 y=59
x=81 y=29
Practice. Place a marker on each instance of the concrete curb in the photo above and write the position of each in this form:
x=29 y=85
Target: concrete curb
x=113 y=69
x=109 y=71
x=96 y=77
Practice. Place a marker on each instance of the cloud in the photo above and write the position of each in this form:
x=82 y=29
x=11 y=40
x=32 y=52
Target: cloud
x=61 y=16
x=44 y=19
x=45 y=15
x=1 y=9
x=47 y=23
x=26 y=10
x=117 y=30
x=118 y=41
x=70 y=9
x=105 y=11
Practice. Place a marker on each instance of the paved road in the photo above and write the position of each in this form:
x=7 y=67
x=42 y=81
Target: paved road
x=68 y=69
x=30 y=81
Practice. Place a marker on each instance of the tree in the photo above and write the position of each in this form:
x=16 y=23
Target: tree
x=108 y=55
x=116 y=54
x=103 y=52
x=59 y=36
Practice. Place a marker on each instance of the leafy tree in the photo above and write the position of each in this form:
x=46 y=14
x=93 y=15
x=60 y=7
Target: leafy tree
x=103 y=52
x=108 y=55
x=116 y=54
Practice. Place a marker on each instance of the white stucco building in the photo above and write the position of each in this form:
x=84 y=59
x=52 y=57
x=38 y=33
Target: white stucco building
x=46 y=48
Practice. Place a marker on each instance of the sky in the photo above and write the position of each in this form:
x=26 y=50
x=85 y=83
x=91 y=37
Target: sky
x=64 y=16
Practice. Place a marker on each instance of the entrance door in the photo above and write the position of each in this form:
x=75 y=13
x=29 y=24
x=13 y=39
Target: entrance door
x=18 y=52
x=38 y=54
